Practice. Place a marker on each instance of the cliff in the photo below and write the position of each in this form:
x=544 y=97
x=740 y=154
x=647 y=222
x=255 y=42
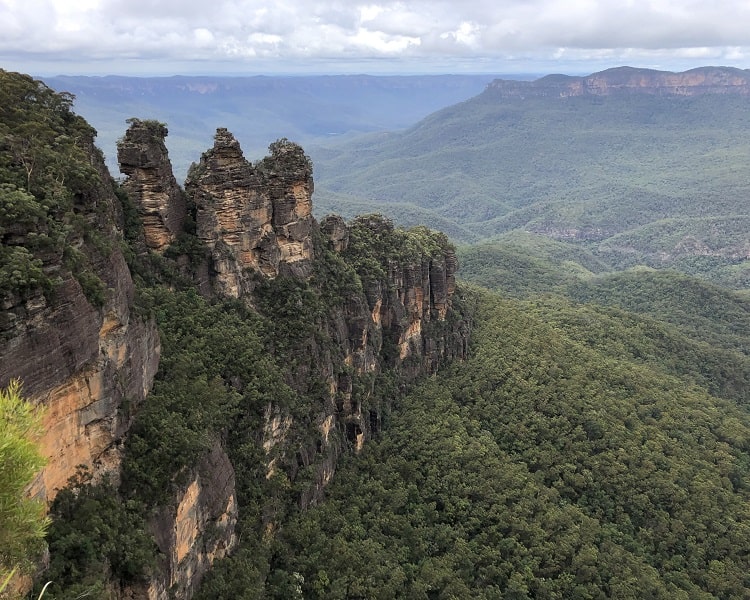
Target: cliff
x=334 y=324
x=281 y=343
x=628 y=81
x=253 y=218
x=68 y=328
x=143 y=157
x=196 y=528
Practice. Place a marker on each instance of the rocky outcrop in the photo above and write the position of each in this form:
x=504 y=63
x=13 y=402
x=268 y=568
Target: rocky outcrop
x=335 y=229
x=89 y=365
x=413 y=297
x=254 y=219
x=197 y=528
x=161 y=205
x=628 y=81
x=91 y=360
x=402 y=322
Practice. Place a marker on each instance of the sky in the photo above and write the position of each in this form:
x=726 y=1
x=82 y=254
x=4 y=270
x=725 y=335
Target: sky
x=248 y=37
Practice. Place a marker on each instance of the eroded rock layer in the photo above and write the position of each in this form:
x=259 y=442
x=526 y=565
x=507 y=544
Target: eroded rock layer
x=253 y=219
x=143 y=157
x=629 y=81
x=207 y=503
x=88 y=360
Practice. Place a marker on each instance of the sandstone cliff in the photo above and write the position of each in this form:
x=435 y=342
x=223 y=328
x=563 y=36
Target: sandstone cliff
x=143 y=157
x=265 y=248
x=197 y=528
x=79 y=348
x=627 y=81
x=255 y=219
x=348 y=313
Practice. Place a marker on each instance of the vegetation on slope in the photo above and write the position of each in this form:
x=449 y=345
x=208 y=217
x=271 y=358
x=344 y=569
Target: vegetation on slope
x=222 y=366
x=521 y=264
x=543 y=467
x=642 y=179
x=46 y=179
x=703 y=311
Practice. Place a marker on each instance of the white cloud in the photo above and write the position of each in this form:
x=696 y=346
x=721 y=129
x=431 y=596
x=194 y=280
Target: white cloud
x=253 y=33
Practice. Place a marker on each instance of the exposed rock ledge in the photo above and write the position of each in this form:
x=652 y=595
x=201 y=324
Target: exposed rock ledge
x=628 y=81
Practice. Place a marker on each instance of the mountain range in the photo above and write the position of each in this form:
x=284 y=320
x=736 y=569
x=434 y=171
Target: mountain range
x=637 y=167
x=259 y=109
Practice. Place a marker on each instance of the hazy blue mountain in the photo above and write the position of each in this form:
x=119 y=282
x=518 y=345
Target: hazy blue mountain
x=260 y=109
x=640 y=166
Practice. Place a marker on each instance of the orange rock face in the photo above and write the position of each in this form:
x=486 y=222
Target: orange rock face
x=143 y=157
x=255 y=219
x=207 y=502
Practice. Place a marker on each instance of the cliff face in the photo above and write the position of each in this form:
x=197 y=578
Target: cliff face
x=89 y=362
x=197 y=528
x=143 y=157
x=85 y=353
x=257 y=224
x=253 y=218
x=627 y=81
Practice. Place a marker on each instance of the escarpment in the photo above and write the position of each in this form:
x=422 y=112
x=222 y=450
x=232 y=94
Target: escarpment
x=629 y=81
x=348 y=307
x=68 y=327
x=282 y=342
x=197 y=528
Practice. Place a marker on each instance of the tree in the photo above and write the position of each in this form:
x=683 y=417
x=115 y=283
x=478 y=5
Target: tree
x=22 y=519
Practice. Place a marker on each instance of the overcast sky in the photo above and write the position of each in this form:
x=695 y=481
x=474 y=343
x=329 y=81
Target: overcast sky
x=160 y=37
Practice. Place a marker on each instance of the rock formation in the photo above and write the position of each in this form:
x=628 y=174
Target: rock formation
x=335 y=229
x=88 y=365
x=255 y=219
x=143 y=157
x=207 y=503
x=85 y=352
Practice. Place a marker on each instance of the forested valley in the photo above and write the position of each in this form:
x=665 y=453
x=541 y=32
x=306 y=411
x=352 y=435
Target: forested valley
x=550 y=428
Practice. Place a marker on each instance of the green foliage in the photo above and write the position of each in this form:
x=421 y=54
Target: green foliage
x=374 y=243
x=519 y=271
x=543 y=466
x=156 y=128
x=42 y=145
x=46 y=173
x=334 y=277
x=20 y=272
x=723 y=371
x=188 y=245
x=96 y=537
x=705 y=312
x=214 y=372
x=640 y=179
x=22 y=520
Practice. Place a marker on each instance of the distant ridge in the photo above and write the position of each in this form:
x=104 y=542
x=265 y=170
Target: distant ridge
x=630 y=81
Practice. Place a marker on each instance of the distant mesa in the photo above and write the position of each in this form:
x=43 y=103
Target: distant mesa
x=621 y=81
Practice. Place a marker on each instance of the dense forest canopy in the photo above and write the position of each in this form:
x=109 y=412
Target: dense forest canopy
x=546 y=466
x=635 y=179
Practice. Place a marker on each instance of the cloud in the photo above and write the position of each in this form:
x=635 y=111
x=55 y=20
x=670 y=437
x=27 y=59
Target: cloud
x=237 y=31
